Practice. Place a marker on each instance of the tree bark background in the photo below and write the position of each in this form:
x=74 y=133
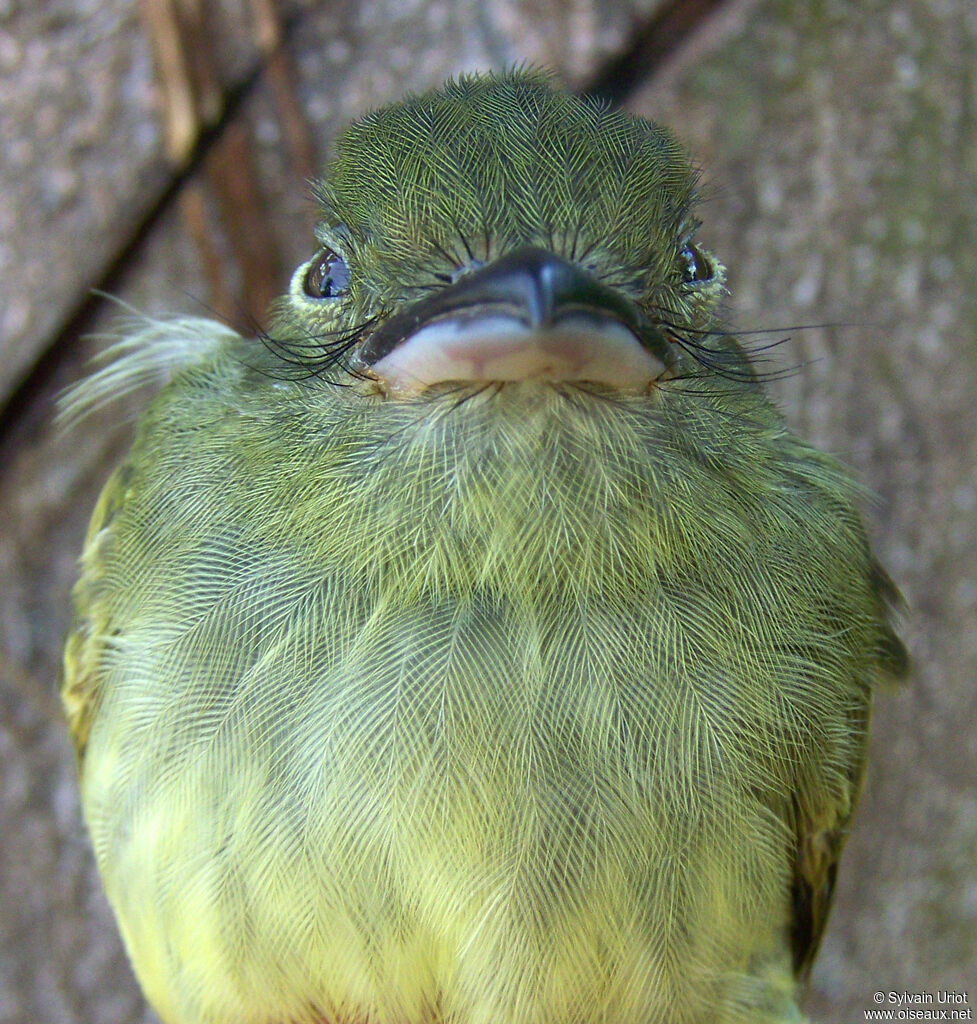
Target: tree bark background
x=838 y=141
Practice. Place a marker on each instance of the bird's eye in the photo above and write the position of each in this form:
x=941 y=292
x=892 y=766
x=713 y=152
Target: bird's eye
x=696 y=267
x=327 y=276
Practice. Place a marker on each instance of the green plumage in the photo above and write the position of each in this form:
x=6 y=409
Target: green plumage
x=498 y=164
x=531 y=703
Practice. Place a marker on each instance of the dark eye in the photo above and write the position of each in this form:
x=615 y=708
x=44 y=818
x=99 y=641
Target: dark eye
x=327 y=276
x=696 y=267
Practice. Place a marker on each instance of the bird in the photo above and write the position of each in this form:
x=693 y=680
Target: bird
x=476 y=644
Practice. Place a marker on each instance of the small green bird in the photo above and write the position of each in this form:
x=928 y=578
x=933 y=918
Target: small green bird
x=478 y=646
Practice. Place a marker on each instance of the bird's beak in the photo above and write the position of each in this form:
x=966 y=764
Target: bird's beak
x=527 y=315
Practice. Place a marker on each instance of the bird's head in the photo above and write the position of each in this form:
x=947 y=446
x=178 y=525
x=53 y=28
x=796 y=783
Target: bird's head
x=500 y=229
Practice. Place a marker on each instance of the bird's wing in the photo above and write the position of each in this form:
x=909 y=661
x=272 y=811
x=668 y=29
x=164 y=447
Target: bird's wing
x=820 y=839
x=822 y=831
x=89 y=629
